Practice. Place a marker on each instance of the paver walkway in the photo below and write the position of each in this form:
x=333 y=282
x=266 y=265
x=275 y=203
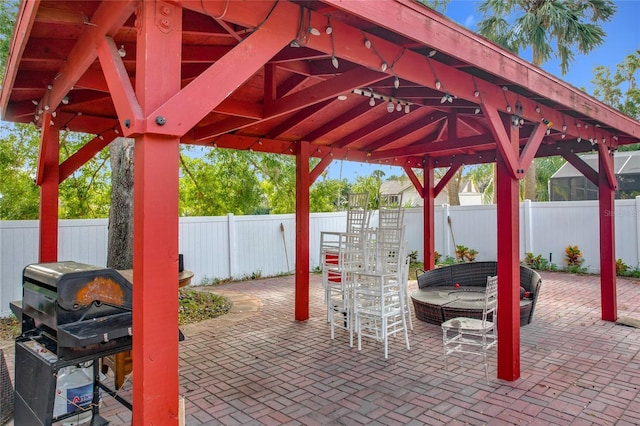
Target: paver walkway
x=258 y=366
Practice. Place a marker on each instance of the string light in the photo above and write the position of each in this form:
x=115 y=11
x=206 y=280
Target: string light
x=329 y=28
x=393 y=103
x=334 y=59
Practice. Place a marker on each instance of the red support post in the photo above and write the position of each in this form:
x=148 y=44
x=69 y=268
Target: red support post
x=606 y=201
x=155 y=240
x=303 y=182
x=508 y=268
x=428 y=200
x=49 y=174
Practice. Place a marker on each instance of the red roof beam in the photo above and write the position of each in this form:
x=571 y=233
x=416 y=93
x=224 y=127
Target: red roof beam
x=406 y=130
x=408 y=18
x=224 y=76
x=107 y=19
x=25 y=19
x=460 y=145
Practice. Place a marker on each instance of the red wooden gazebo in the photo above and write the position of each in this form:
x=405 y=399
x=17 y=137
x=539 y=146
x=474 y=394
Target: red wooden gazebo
x=389 y=82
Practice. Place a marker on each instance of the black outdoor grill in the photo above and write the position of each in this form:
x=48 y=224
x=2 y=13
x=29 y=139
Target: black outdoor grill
x=71 y=314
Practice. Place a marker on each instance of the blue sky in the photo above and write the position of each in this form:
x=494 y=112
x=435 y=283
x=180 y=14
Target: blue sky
x=623 y=38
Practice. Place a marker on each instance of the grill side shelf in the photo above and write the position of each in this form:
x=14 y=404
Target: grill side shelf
x=95 y=330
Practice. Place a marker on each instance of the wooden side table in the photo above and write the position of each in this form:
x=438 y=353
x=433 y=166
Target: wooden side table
x=122 y=362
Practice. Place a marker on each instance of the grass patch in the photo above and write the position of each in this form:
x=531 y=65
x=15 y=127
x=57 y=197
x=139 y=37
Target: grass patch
x=195 y=306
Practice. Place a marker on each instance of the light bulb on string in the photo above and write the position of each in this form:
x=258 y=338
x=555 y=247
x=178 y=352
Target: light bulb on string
x=390 y=107
x=372 y=101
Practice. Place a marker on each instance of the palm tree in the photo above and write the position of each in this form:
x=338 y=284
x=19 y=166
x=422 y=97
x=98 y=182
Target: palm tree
x=574 y=25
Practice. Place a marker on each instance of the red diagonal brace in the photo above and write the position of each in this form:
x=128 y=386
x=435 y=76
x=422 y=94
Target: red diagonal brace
x=530 y=149
x=120 y=87
x=446 y=178
x=503 y=141
x=582 y=167
x=607 y=165
x=414 y=179
x=319 y=168
x=187 y=107
x=45 y=146
x=84 y=154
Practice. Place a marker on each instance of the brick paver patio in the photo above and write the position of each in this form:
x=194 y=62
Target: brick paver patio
x=258 y=366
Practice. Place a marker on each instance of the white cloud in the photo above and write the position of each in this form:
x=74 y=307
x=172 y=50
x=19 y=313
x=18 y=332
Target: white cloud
x=470 y=21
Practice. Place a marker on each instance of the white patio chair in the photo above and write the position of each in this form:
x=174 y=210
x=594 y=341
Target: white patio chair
x=378 y=308
x=471 y=335
x=380 y=297
x=358 y=212
x=341 y=255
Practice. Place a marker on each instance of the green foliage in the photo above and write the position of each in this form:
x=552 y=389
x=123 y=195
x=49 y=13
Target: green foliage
x=449 y=260
x=621 y=267
x=545 y=168
x=370 y=184
x=413 y=256
x=465 y=254
x=84 y=194
x=8 y=12
x=481 y=175
x=620 y=90
x=196 y=306
x=536 y=262
x=439 y=5
x=574 y=260
x=623 y=270
x=278 y=180
x=220 y=182
x=326 y=195
x=571 y=25
x=212 y=281
x=19 y=195
x=573 y=255
x=255 y=275
x=10 y=327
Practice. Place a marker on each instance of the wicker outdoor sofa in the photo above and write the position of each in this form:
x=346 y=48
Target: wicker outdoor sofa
x=458 y=290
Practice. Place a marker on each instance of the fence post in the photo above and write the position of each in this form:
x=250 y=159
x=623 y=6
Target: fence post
x=527 y=226
x=233 y=246
x=637 y=216
x=446 y=230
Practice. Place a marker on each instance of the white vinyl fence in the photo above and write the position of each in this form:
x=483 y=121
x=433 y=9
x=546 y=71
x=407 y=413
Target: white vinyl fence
x=244 y=246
